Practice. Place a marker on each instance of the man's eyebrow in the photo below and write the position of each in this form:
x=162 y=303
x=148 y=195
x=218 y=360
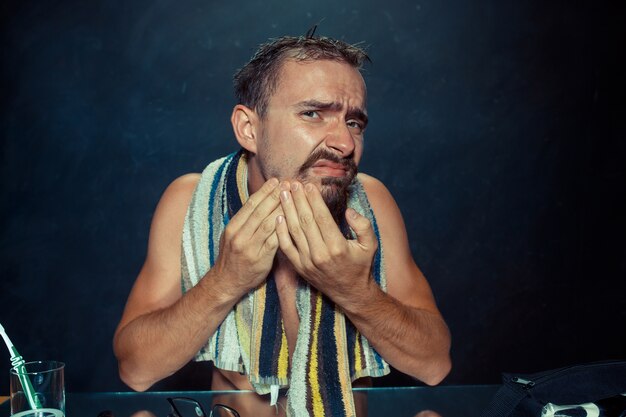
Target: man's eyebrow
x=357 y=113
x=352 y=113
x=319 y=105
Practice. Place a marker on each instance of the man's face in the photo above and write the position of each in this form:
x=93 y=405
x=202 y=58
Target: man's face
x=313 y=128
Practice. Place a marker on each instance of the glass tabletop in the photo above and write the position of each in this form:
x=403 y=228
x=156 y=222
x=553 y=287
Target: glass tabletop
x=441 y=401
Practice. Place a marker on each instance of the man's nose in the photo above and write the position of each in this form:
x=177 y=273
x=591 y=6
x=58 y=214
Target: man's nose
x=340 y=139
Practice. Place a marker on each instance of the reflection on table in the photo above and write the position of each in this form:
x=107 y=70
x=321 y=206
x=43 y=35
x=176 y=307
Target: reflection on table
x=442 y=401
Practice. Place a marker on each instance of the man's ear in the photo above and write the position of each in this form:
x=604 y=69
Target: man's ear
x=246 y=126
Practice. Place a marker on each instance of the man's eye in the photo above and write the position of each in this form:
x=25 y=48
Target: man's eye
x=354 y=125
x=311 y=114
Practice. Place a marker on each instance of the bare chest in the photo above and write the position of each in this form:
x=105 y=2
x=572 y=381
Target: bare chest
x=287 y=286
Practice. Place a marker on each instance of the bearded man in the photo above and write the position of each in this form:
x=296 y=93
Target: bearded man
x=294 y=272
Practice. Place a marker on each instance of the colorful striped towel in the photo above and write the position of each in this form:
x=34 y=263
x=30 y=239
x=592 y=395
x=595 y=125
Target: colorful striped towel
x=330 y=353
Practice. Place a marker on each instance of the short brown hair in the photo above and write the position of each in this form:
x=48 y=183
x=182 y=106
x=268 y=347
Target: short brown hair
x=256 y=81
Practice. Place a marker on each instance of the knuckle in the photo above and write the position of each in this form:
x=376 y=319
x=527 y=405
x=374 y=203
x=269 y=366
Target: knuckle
x=257 y=215
x=308 y=266
x=228 y=234
x=237 y=245
x=320 y=259
x=275 y=195
x=294 y=230
x=305 y=218
x=322 y=220
x=251 y=204
x=268 y=225
x=336 y=251
x=270 y=245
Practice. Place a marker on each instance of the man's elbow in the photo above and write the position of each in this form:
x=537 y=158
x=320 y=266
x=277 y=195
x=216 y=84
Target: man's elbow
x=131 y=380
x=128 y=369
x=438 y=371
x=440 y=364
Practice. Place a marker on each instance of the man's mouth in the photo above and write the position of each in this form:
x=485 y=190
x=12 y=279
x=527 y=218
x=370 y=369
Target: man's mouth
x=329 y=168
x=326 y=168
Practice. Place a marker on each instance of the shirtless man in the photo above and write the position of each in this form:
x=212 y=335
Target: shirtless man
x=301 y=119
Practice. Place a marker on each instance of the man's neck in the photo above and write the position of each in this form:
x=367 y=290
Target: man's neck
x=255 y=177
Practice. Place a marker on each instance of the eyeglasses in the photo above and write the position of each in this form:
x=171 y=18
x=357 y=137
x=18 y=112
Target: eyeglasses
x=188 y=407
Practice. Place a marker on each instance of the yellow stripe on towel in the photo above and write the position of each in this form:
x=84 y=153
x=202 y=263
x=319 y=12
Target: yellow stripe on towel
x=342 y=359
x=318 y=406
x=357 y=353
x=283 y=356
x=257 y=329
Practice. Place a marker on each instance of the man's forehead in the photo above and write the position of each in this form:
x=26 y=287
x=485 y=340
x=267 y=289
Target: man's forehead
x=317 y=78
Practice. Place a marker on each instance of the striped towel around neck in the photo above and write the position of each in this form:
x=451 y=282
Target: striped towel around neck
x=330 y=353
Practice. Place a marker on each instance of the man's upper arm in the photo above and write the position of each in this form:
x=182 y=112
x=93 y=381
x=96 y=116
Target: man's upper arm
x=158 y=284
x=405 y=281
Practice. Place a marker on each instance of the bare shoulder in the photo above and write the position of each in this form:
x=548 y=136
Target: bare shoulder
x=381 y=200
x=169 y=216
x=370 y=182
x=181 y=189
x=175 y=199
x=186 y=181
x=157 y=284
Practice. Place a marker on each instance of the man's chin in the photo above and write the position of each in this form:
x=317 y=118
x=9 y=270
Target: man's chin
x=334 y=191
x=335 y=194
x=337 y=182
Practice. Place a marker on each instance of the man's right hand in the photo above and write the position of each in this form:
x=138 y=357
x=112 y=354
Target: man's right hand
x=150 y=342
x=249 y=242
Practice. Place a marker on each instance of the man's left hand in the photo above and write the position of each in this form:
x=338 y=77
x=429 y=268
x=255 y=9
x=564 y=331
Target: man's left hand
x=312 y=241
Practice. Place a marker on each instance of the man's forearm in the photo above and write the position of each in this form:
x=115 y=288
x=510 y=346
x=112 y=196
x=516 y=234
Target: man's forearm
x=157 y=344
x=412 y=340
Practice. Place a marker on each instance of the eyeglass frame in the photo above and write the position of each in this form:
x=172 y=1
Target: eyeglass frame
x=217 y=406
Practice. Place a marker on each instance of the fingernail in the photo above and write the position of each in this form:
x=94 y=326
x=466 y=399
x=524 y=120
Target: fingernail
x=295 y=186
x=279 y=219
x=273 y=182
x=284 y=195
x=308 y=188
x=284 y=185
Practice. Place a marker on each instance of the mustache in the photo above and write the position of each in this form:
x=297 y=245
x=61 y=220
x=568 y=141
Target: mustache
x=347 y=164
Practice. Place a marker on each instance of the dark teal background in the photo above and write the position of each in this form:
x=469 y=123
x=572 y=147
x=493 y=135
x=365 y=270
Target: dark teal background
x=499 y=127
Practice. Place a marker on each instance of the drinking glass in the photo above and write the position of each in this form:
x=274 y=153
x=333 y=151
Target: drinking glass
x=47 y=397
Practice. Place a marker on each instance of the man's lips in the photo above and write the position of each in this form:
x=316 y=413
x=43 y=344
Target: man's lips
x=327 y=168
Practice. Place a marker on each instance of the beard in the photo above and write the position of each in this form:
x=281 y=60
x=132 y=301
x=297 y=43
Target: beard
x=334 y=190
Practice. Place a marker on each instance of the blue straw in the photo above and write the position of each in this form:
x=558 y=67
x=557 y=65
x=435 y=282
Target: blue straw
x=18 y=363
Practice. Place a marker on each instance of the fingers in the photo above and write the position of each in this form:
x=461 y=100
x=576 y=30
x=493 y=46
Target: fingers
x=266 y=233
x=298 y=216
x=249 y=242
x=362 y=228
x=256 y=210
x=286 y=244
x=307 y=233
x=325 y=222
x=270 y=246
